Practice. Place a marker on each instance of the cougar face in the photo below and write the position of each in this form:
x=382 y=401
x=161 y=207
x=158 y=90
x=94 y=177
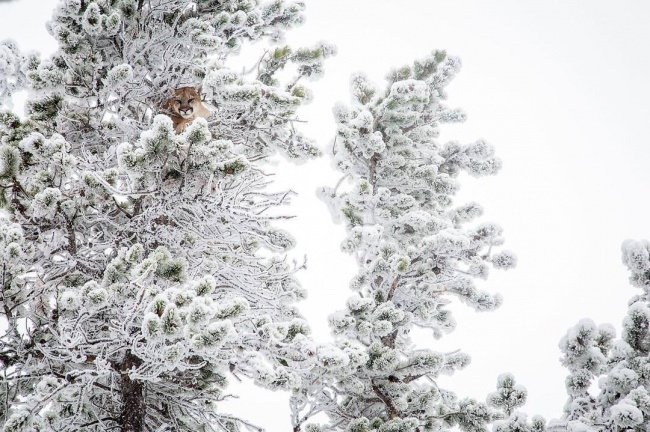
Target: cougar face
x=185 y=101
x=184 y=107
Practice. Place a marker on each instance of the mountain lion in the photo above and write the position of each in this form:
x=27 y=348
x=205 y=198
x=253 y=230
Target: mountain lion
x=184 y=107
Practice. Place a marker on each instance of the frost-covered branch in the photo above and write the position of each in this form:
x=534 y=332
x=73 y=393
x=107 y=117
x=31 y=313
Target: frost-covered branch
x=416 y=251
x=142 y=269
x=591 y=353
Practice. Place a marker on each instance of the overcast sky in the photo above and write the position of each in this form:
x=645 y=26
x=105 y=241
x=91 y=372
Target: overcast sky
x=562 y=89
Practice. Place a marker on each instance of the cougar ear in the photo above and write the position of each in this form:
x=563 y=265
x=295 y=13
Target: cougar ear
x=199 y=90
x=167 y=104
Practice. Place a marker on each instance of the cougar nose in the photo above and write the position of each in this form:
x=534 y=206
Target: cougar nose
x=186 y=111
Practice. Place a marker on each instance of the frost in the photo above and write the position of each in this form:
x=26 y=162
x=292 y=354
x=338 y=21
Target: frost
x=620 y=365
x=119 y=75
x=92 y=19
x=13 y=71
x=331 y=357
x=9 y=161
x=46 y=203
x=137 y=258
x=508 y=396
x=281 y=239
x=626 y=416
x=504 y=260
x=636 y=255
x=415 y=253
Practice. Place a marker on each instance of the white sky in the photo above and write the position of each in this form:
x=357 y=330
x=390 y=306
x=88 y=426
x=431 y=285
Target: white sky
x=561 y=89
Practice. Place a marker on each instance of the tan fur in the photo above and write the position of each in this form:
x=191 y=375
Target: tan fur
x=184 y=107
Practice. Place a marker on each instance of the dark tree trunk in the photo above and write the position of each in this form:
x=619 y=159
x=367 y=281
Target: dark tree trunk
x=133 y=406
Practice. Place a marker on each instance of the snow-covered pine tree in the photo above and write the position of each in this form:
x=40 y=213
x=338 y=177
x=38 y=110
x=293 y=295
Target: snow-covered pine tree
x=416 y=251
x=621 y=366
x=13 y=70
x=140 y=267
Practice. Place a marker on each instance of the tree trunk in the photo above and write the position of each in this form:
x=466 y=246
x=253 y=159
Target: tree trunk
x=133 y=406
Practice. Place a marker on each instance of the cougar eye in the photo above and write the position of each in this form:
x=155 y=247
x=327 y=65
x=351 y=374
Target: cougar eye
x=178 y=101
x=190 y=100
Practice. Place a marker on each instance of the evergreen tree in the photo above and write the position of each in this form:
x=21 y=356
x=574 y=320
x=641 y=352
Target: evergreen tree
x=621 y=366
x=416 y=251
x=140 y=266
x=13 y=70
